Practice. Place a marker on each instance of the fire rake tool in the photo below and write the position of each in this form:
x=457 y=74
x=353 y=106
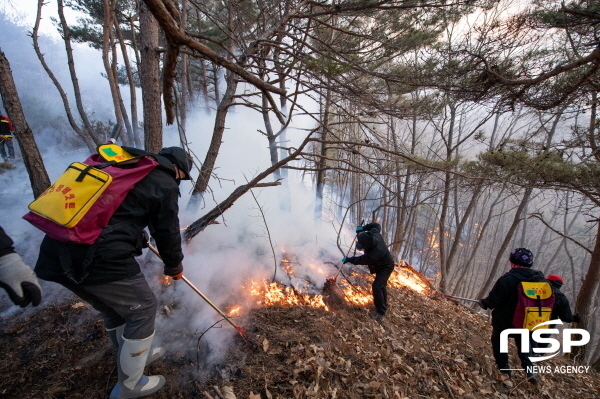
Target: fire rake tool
x=239 y=329
x=333 y=280
x=457 y=297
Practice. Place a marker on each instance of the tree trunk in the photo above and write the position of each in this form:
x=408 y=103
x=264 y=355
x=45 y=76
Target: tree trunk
x=184 y=78
x=90 y=139
x=215 y=144
x=31 y=154
x=459 y=232
x=500 y=254
x=110 y=73
x=585 y=298
x=480 y=235
x=150 y=80
x=271 y=138
x=128 y=138
x=285 y=202
x=444 y=266
x=205 y=87
x=321 y=163
x=215 y=72
x=71 y=62
x=132 y=88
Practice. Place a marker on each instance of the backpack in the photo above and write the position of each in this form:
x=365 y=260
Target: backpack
x=79 y=205
x=534 y=304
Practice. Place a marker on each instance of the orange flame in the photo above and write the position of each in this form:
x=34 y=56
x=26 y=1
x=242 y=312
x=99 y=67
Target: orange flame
x=286 y=263
x=269 y=294
x=276 y=294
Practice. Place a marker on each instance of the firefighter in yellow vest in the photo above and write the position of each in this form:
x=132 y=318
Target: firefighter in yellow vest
x=6 y=139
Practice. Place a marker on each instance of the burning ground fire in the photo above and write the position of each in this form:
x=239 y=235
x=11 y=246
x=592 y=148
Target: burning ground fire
x=269 y=294
x=357 y=293
x=353 y=284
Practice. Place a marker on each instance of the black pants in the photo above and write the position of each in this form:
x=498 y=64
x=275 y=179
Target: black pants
x=502 y=358
x=380 y=291
x=129 y=301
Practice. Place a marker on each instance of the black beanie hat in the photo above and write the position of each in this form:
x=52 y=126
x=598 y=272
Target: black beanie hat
x=179 y=157
x=365 y=239
x=521 y=257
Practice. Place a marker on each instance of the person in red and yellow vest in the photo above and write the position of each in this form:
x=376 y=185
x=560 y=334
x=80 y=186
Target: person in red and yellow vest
x=6 y=138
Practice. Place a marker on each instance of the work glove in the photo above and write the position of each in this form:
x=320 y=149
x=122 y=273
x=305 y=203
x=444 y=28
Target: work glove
x=344 y=259
x=360 y=228
x=175 y=272
x=19 y=281
x=576 y=318
x=480 y=302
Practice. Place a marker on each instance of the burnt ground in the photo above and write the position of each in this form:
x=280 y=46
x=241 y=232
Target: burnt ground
x=427 y=347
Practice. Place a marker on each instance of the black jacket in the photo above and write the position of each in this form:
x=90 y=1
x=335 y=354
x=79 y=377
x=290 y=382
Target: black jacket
x=376 y=256
x=6 y=243
x=151 y=202
x=562 y=308
x=504 y=296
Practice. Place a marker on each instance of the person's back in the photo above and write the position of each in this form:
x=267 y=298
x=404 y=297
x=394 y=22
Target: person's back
x=504 y=295
x=152 y=201
x=376 y=256
x=114 y=284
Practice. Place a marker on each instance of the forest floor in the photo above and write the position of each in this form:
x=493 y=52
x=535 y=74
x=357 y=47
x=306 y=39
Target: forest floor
x=427 y=347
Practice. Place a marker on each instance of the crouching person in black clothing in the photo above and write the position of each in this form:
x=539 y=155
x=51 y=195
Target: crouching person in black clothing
x=503 y=300
x=113 y=283
x=379 y=260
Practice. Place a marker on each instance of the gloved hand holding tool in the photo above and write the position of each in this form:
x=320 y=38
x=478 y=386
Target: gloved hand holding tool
x=178 y=274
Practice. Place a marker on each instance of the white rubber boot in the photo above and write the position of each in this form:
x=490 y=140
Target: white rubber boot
x=116 y=337
x=131 y=361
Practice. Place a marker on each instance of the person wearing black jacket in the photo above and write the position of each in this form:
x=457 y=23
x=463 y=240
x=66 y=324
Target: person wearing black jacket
x=115 y=285
x=380 y=262
x=503 y=300
x=6 y=139
x=16 y=277
x=562 y=308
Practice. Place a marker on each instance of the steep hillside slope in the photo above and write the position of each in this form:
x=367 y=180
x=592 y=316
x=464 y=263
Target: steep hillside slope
x=428 y=347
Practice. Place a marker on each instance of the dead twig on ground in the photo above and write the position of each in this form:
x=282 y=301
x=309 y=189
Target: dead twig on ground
x=438 y=368
x=202 y=335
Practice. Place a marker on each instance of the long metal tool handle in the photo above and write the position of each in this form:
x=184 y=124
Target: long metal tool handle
x=348 y=253
x=462 y=299
x=342 y=265
x=192 y=286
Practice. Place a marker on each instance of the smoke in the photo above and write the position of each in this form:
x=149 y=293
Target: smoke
x=252 y=237
x=247 y=245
